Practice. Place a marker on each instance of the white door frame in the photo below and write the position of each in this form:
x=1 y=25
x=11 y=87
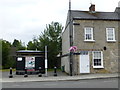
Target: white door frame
x=84 y=62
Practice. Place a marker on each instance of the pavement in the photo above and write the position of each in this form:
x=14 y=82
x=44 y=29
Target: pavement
x=50 y=77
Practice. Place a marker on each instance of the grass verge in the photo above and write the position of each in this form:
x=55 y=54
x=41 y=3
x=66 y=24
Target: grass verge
x=6 y=70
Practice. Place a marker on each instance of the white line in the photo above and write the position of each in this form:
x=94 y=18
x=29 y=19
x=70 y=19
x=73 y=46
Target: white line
x=111 y=81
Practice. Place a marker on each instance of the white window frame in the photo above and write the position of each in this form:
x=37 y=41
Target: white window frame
x=107 y=35
x=101 y=66
x=90 y=33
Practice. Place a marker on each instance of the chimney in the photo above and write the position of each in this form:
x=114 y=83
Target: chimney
x=92 y=8
x=119 y=4
x=118 y=8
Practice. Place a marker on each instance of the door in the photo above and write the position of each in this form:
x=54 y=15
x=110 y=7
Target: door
x=84 y=62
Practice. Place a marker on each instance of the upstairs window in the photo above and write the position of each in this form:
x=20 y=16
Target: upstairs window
x=88 y=34
x=110 y=34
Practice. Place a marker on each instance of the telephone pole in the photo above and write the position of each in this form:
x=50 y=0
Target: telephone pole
x=71 y=37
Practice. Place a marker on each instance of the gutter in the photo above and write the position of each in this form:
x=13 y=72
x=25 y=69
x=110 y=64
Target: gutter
x=75 y=18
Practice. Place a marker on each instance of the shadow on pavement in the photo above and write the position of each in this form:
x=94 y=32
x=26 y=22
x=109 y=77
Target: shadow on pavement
x=6 y=74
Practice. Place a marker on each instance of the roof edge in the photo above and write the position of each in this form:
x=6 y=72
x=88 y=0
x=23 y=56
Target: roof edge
x=95 y=19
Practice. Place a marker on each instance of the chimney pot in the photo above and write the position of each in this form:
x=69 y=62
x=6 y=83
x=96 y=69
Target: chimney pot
x=119 y=4
x=118 y=8
x=92 y=8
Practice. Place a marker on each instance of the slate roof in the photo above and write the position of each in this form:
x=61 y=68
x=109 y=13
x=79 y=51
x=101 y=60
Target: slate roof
x=86 y=15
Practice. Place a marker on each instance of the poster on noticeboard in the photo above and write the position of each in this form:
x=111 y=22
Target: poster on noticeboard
x=30 y=63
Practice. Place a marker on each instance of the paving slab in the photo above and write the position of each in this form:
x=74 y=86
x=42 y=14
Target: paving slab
x=61 y=77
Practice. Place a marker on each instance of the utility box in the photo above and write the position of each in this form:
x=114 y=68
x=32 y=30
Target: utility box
x=30 y=60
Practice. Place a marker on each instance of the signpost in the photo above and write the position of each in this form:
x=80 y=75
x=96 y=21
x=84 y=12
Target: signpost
x=46 y=65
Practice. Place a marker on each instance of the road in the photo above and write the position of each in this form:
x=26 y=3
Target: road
x=96 y=83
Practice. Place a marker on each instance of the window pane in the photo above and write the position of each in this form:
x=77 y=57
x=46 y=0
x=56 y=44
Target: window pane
x=97 y=58
x=88 y=37
x=110 y=34
x=88 y=34
x=88 y=31
x=95 y=62
x=84 y=53
x=99 y=62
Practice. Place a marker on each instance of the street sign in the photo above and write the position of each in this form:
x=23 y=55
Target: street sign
x=73 y=49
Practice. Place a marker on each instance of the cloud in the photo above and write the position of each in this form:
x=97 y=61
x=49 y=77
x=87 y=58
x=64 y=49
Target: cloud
x=22 y=19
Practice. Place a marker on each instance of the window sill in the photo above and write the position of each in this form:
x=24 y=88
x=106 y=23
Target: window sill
x=89 y=40
x=113 y=41
x=98 y=67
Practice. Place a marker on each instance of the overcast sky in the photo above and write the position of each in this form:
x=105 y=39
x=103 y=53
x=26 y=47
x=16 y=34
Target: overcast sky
x=24 y=19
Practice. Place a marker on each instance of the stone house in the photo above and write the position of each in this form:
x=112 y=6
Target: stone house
x=96 y=36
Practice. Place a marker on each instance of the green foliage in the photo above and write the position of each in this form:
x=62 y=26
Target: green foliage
x=18 y=45
x=33 y=45
x=51 y=37
x=7 y=59
x=5 y=53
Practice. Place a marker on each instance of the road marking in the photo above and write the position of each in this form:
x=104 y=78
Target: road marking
x=17 y=85
x=111 y=81
x=50 y=84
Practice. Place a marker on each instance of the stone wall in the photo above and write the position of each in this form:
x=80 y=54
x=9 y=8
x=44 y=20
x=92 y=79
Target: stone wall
x=65 y=49
x=110 y=55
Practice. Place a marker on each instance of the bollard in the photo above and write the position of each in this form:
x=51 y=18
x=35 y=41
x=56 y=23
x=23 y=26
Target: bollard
x=55 y=73
x=25 y=75
x=40 y=75
x=10 y=76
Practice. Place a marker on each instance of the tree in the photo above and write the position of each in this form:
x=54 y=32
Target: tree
x=18 y=44
x=5 y=54
x=51 y=37
x=8 y=60
x=33 y=45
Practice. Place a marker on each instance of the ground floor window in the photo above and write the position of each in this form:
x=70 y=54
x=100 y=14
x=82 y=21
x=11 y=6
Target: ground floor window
x=97 y=59
x=84 y=53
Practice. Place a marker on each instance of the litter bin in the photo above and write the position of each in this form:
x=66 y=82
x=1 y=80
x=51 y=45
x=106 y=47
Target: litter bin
x=63 y=68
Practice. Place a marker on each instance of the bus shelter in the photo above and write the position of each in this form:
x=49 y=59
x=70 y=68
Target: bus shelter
x=31 y=61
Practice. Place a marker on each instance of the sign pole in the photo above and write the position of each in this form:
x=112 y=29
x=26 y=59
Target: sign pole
x=46 y=66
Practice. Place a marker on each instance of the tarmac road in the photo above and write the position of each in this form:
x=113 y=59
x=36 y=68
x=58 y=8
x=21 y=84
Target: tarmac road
x=95 y=83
